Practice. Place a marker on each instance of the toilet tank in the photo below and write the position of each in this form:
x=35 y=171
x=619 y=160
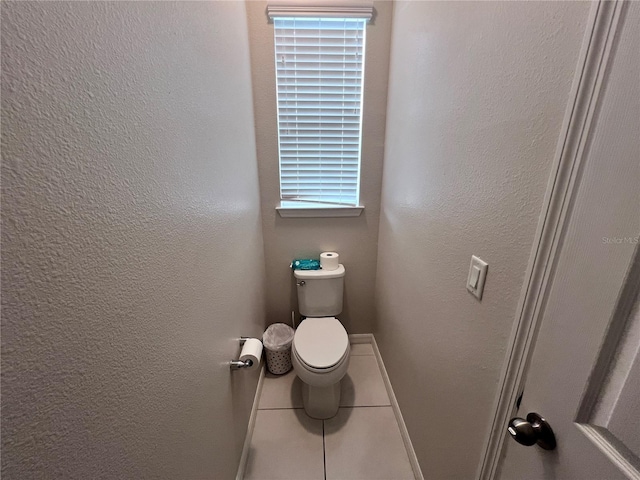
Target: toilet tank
x=320 y=291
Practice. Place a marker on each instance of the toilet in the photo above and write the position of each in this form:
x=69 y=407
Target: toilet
x=320 y=350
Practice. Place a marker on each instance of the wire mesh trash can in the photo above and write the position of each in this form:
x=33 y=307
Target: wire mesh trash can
x=277 y=340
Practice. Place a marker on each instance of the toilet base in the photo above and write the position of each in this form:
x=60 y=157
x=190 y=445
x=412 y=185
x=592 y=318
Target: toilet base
x=321 y=402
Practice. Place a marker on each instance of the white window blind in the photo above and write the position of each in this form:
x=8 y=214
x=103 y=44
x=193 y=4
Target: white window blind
x=319 y=76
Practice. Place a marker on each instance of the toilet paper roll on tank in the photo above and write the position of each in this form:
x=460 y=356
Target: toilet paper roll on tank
x=329 y=260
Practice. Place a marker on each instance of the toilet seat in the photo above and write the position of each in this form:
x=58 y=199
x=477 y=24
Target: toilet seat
x=325 y=370
x=321 y=344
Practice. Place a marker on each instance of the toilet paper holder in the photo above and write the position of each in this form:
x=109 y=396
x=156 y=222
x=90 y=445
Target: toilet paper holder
x=238 y=364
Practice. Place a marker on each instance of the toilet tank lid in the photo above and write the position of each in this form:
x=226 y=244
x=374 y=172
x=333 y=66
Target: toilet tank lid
x=318 y=274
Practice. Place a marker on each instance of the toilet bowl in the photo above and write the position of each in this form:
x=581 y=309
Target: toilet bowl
x=320 y=357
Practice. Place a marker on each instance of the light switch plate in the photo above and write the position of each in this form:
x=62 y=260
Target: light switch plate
x=477 y=276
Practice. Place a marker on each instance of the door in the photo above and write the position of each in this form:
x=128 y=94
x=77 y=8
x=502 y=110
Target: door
x=584 y=372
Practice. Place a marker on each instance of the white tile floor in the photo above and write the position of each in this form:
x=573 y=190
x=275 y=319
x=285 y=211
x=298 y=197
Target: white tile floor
x=362 y=442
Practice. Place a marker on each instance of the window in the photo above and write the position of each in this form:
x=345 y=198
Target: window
x=319 y=78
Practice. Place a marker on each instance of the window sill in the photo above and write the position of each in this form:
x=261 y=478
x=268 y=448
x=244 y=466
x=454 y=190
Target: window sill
x=306 y=210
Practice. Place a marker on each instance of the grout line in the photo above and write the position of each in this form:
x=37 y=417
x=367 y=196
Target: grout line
x=341 y=406
x=324 y=454
x=360 y=339
x=282 y=408
x=366 y=406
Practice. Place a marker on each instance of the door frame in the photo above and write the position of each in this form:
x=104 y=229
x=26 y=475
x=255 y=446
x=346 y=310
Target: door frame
x=600 y=33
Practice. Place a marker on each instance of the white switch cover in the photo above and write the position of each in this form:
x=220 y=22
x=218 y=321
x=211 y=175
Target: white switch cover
x=477 y=275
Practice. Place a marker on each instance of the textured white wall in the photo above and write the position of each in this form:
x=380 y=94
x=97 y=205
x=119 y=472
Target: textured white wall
x=356 y=239
x=477 y=94
x=131 y=239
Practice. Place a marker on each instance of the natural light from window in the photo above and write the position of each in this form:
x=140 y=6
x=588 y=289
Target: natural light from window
x=319 y=78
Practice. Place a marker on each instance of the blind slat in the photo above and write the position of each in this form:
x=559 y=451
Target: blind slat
x=328 y=169
x=327 y=128
x=327 y=177
x=319 y=95
x=320 y=163
x=321 y=109
x=302 y=138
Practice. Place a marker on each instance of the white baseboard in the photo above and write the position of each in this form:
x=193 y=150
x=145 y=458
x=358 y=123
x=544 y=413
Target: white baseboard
x=413 y=459
x=242 y=466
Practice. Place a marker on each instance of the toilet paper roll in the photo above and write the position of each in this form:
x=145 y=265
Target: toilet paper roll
x=329 y=260
x=252 y=350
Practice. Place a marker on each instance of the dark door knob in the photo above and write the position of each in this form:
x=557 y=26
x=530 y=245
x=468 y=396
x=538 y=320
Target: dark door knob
x=533 y=431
